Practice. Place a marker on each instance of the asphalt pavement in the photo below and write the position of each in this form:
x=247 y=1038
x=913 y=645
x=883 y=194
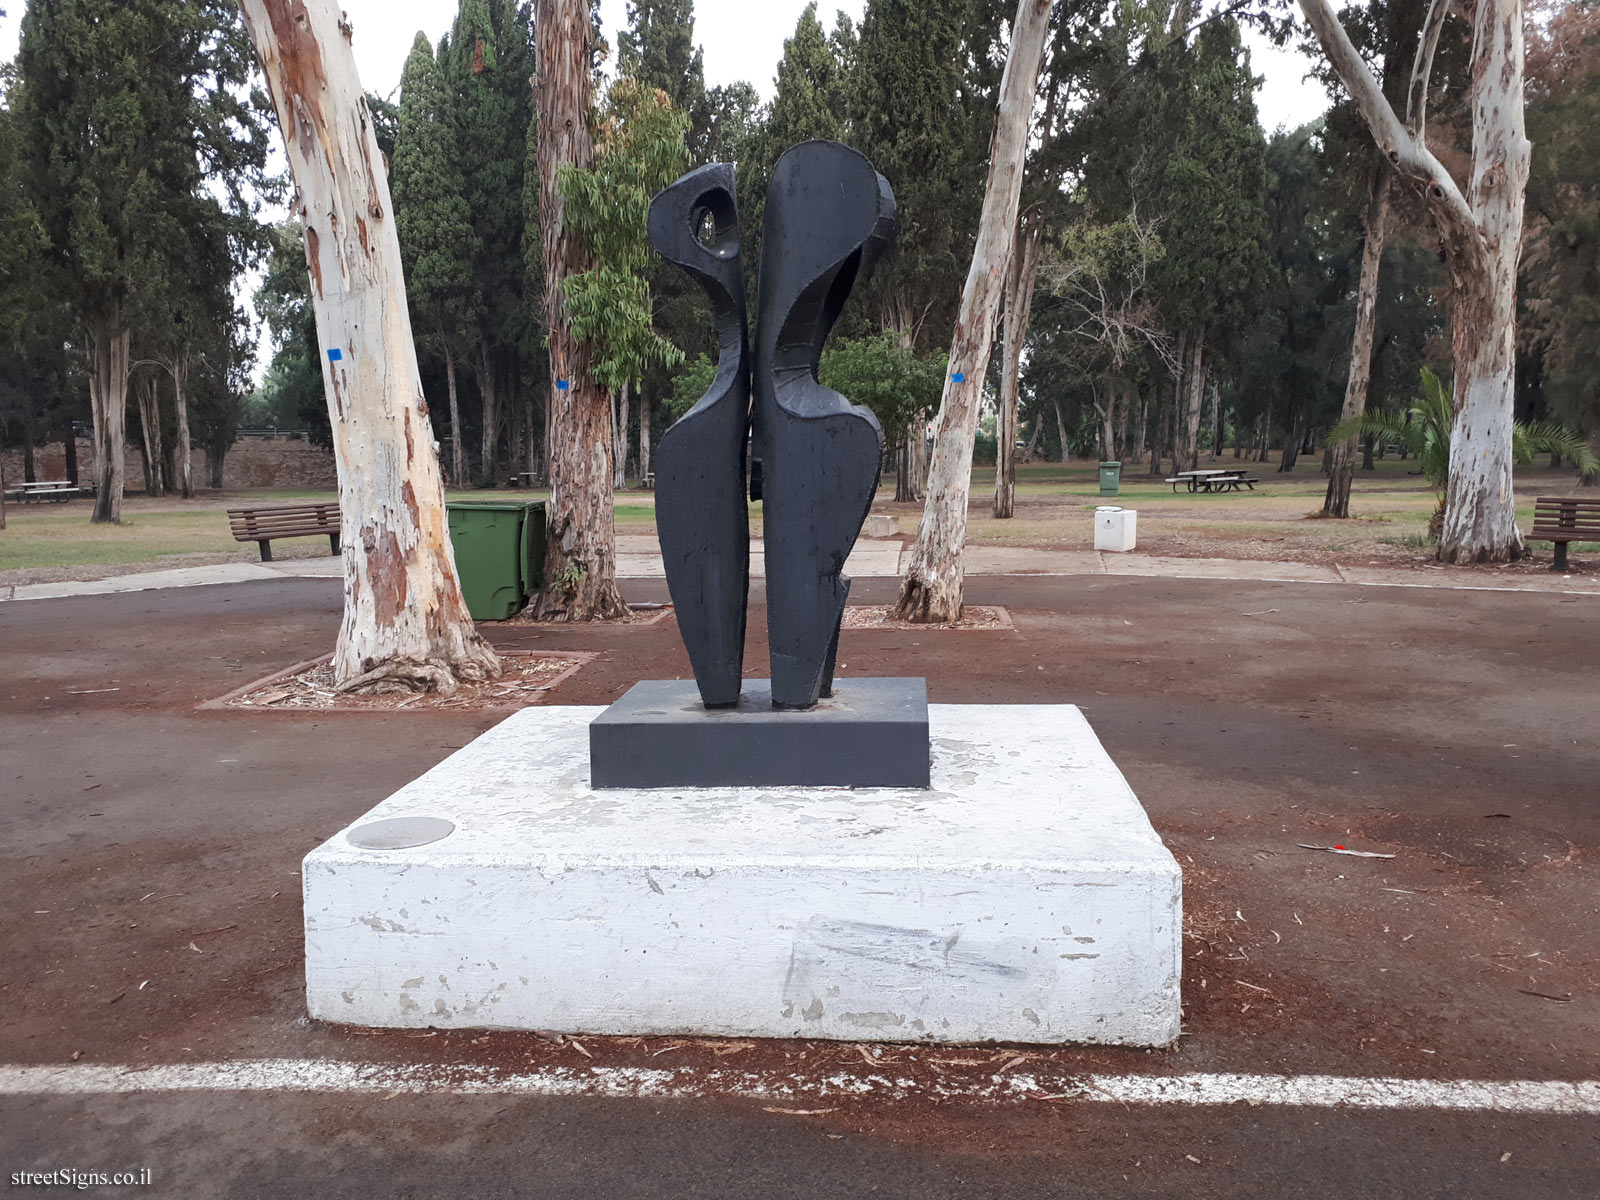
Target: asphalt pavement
x=149 y=856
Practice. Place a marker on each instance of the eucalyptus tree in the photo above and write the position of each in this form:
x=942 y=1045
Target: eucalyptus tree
x=1480 y=234
x=405 y=623
x=438 y=245
x=1100 y=312
x=607 y=206
x=126 y=104
x=932 y=589
x=580 y=573
x=180 y=315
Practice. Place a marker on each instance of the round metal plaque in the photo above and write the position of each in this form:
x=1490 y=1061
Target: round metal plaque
x=400 y=833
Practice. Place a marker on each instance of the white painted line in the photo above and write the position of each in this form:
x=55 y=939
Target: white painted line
x=1527 y=1096
x=1593 y=593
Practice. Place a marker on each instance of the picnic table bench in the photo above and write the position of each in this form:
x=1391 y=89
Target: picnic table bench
x=263 y=525
x=1563 y=520
x=1229 y=480
x=57 y=491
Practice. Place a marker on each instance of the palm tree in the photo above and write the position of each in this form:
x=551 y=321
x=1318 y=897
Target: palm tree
x=1424 y=429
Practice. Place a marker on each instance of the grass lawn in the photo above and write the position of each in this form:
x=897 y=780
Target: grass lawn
x=1055 y=502
x=45 y=542
x=1280 y=519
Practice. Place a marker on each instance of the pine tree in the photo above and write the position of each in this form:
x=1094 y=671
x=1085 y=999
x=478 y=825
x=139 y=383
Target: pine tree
x=437 y=242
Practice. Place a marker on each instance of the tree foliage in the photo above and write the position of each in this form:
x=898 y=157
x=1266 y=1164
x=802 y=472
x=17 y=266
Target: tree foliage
x=1425 y=424
x=639 y=150
x=438 y=244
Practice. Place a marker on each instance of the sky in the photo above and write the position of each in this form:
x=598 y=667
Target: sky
x=742 y=40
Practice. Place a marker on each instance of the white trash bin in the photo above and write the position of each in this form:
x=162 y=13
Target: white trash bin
x=1115 y=528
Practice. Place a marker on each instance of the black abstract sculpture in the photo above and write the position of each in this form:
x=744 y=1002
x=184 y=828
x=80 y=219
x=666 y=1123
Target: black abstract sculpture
x=829 y=217
x=701 y=517
x=813 y=462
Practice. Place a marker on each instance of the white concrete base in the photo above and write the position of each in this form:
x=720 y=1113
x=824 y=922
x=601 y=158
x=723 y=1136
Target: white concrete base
x=1024 y=897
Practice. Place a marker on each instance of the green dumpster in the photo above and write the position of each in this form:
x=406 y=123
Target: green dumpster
x=1110 y=478
x=499 y=546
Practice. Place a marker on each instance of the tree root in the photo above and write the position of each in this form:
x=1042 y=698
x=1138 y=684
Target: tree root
x=583 y=603
x=922 y=604
x=477 y=663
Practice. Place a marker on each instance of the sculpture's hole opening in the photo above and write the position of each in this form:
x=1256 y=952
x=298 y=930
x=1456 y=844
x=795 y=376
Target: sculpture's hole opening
x=715 y=223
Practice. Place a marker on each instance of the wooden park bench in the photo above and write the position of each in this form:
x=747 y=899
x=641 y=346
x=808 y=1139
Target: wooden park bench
x=263 y=525
x=1565 y=519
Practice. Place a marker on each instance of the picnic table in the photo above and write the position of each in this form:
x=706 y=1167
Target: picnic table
x=57 y=491
x=1228 y=479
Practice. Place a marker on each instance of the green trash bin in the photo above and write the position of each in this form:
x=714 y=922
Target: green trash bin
x=499 y=546
x=1110 y=478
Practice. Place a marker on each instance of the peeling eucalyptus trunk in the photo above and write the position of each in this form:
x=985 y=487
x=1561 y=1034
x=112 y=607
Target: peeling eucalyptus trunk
x=108 y=404
x=581 y=558
x=1186 y=446
x=1342 y=455
x=150 y=430
x=1217 y=429
x=405 y=626
x=184 y=483
x=1020 y=279
x=933 y=585
x=490 y=433
x=622 y=415
x=1033 y=442
x=1480 y=232
x=646 y=403
x=458 y=467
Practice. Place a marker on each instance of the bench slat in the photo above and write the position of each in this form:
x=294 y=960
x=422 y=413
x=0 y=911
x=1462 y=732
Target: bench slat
x=264 y=525
x=1563 y=520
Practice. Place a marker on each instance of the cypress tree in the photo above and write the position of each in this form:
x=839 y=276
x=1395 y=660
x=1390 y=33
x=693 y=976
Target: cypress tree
x=437 y=242
x=810 y=100
x=910 y=121
x=488 y=62
x=657 y=50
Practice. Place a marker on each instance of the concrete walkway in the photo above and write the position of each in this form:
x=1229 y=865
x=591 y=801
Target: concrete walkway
x=639 y=557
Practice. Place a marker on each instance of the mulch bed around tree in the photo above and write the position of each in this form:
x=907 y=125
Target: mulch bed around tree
x=638 y=614
x=973 y=616
x=306 y=686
